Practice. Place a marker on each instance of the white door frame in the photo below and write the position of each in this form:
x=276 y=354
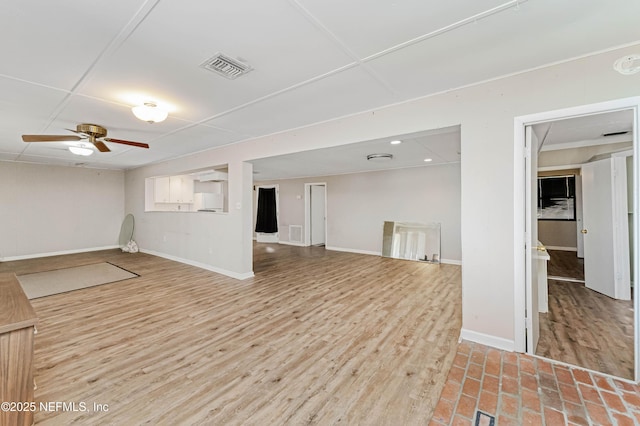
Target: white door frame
x=307 y=212
x=519 y=208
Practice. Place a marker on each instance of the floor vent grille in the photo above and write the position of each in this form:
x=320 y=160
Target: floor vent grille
x=226 y=66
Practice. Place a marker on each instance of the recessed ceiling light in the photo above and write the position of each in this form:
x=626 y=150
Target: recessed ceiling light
x=627 y=65
x=379 y=157
x=426 y=160
x=396 y=142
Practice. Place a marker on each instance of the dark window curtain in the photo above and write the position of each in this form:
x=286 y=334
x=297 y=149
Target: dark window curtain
x=266 y=220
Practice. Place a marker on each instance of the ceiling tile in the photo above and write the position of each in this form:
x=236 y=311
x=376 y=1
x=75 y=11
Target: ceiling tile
x=55 y=42
x=162 y=58
x=194 y=139
x=331 y=97
x=384 y=24
x=497 y=45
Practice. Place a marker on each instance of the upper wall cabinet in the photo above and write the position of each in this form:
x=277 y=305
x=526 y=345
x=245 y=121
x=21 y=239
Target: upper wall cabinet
x=197 y=191
x=161 y=189
x=173 y=189
x=181 y=189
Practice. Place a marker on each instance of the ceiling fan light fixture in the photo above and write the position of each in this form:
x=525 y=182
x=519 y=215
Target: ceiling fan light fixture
x=149 y=112
x=79 y=150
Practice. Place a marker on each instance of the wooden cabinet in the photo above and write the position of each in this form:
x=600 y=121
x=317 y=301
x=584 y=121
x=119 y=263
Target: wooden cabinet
x=17 y=327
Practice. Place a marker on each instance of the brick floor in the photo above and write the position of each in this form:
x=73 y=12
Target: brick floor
x=518 y=389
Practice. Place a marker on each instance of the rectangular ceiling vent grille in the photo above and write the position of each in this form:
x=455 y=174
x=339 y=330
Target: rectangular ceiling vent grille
x=226 y=66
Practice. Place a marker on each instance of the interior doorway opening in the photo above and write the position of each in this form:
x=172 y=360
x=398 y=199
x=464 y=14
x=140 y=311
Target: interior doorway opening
x=609 y=236
x=267 y=213
x=315 y=214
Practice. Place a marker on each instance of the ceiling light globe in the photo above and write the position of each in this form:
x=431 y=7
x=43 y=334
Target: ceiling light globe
x=149 y=112
x=77 y=150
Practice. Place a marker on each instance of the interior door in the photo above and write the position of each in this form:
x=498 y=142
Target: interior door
x=605 y=263
x=318 y=219
x=532 y=245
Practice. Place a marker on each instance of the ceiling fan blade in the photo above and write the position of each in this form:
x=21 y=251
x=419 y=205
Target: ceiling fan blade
x=101 y=146
x=123 y=142
x=50 y=138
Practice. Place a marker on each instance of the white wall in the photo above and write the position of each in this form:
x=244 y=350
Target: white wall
x=359 y=203
x=54 y=209
x=221 y=242
x=486 y=114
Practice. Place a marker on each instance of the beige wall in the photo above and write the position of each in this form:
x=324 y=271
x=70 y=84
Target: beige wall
x=53 y=209
x=359 y=203
x=559 y=234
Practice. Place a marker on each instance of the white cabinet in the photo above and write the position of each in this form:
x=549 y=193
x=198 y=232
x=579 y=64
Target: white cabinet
x=181 y=189
x=173 y=189
x=161 y=190
x=543 y=285
x=187 y=192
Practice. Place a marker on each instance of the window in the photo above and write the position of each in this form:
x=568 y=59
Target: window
x=557 y=198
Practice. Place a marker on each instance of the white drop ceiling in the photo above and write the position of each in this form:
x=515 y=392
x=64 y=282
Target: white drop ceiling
x=79 y=61
x=571 y=142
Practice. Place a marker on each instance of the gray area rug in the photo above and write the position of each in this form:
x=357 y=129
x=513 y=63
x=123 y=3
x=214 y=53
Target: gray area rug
x=47 y=283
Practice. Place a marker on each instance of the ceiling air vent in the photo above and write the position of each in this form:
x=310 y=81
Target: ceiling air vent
x=615 y=133
x=226 y=66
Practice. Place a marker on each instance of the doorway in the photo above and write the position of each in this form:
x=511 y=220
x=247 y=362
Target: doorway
x=267 y=213
x=315 y=214
x=527 y=263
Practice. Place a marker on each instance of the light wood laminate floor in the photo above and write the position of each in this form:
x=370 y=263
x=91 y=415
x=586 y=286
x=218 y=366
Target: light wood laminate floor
x=586 y=328
x=317 y=337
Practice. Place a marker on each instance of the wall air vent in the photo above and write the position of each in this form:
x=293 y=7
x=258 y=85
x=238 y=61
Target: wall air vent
x=226 y=66
x=295 y=234
x=615 y=133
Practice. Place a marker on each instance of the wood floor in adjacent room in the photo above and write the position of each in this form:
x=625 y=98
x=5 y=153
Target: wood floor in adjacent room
x=583 y=327
x=316 y=337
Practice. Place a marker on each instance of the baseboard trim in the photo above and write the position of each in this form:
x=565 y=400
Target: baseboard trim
x=560 y=248
x=486 y=339
x=377 y=253
x=226 y=272
x=349 y=250
x=56 y=253
x=289 y=243
x=274 y=238
x=568 y=279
